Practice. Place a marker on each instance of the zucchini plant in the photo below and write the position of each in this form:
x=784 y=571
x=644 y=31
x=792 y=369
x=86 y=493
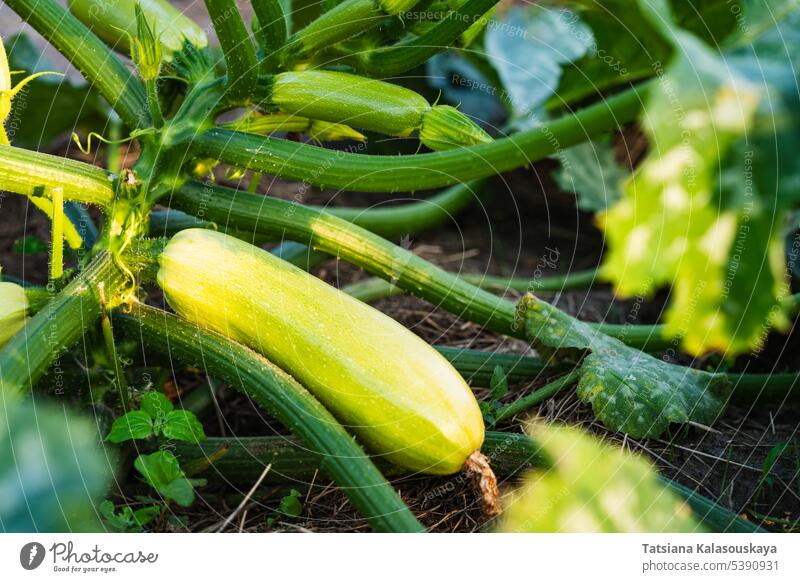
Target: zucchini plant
x=326 y=365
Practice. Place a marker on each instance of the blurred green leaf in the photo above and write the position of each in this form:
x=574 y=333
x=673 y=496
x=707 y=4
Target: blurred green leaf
x=29 y=245
x=705 y=211
x=52 y=469
x=591 y=487
x=591 y=172
x=290 y=505
x=48 y=106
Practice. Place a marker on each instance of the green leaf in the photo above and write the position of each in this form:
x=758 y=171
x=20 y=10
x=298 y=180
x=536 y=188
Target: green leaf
x=29 y=245
x=548 y=54
x=156 y=405
x=163 y=473
x=136 y=424
x=704 y=212
x=529 y=62
x=290 y=505
x=118 y=521
x=52 y=471
x=145 y=515
x=183 y=425
x=498 y=383
x=35 y=121
x=591 y=172
x=630 y=391
x=590 y=487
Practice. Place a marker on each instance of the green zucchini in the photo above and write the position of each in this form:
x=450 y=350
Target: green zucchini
x=398 y=394
x=373 y=105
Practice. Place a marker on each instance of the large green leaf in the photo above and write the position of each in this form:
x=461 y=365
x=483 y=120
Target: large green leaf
x=49 y=105
x=546 y=53
x=630 y=391
x=704 y=212
x=51 y=469
x=591 y=487
x=529 y=50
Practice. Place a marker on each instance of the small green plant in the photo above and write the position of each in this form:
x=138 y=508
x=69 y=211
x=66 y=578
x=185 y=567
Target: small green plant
x=157 y=418
x=127 y=519
x=290 y=506
x=498 y=388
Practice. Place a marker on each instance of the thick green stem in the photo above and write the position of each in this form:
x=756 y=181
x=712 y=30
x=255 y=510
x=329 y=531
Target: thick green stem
x=240 y=54
x=153 y=103
x=272 y=29
x=61 y=322
x=477 y=367
x=279 y=394
x=345 y=20
x=327 y=168
x=330 y=234
x=372 y=289
x=508 y=453
x=93 y=59
x=404 y=56
x=26 y=172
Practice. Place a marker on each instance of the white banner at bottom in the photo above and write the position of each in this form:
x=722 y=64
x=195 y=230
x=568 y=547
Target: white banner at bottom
x=381 y=557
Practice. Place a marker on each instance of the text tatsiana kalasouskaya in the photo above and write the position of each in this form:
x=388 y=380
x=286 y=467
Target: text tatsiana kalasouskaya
x=753 y=549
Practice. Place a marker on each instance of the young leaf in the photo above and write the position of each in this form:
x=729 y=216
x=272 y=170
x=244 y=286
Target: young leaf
x=163 y=473
x=118 y=521
x=590 y=487
x=156 y=405
x=498 y=383
x=136 y=424
x=290 y=505
x=630 y=391
x=183 y=425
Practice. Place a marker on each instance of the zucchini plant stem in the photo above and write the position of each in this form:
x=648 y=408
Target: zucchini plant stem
x=396 y=59
x=81 y=47
x=240 y=54
x=322 y=167
x=24 y=172
x=60 y=323
x=278 y=393
x=330 y=234
x=272 y=30
x=509 y=454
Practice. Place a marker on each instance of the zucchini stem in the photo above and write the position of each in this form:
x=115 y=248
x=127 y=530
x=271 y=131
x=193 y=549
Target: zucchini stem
x=321 y=167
